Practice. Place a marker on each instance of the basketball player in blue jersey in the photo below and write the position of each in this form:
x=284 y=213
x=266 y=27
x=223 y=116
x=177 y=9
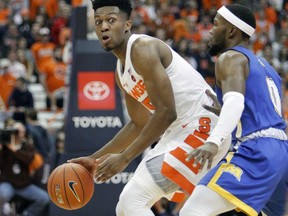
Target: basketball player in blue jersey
x=249 y=90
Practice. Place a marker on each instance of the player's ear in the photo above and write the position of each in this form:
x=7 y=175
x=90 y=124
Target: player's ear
x=128 y=25
x=232 y=30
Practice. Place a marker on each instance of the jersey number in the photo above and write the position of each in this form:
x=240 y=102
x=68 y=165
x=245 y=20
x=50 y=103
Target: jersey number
x=274 y=95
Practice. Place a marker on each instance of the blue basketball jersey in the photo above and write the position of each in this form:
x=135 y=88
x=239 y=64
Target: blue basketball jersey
x=263 y=101
x=249 y=176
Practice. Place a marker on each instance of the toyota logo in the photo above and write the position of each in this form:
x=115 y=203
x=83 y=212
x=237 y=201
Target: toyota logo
x=96 y=90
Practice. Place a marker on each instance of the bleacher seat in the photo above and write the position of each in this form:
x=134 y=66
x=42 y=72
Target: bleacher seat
x=52 y=120
x=38 y=92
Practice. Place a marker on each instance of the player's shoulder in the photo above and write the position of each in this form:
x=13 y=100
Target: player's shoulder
x=145 y=41
x=231 y=56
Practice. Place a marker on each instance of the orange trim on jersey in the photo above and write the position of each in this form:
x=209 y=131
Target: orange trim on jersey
x=178 y=197
x=203 y=136
x=173 y=174
x=193 y=141
x=180 y=154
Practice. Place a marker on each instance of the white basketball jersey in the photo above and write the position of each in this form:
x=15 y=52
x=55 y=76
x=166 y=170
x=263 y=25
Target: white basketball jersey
x=192 y=126
x=188 y=85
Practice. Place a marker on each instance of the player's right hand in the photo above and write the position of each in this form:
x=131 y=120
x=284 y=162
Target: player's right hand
x=202 y=155
x=88 y=162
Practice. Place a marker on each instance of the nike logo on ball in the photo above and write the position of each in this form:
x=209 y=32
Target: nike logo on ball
x=71 y=187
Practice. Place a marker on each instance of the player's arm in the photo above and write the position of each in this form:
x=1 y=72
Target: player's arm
x=147 y=57
x=232 y=69
x=231 y=72
x=139 y=116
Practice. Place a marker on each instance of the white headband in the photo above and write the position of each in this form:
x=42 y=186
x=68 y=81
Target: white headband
x=230 y=17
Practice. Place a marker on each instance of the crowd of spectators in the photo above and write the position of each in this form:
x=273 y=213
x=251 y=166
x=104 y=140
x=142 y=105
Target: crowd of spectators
x=31 y=31
x=34 y=33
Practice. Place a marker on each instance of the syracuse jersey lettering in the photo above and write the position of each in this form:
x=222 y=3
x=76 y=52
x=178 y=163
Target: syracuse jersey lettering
x=139 y=93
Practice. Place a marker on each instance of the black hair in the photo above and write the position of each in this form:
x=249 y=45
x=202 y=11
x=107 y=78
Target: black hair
x=32 y=114
x=243 y=13
x=23 y=80
x=124 y=5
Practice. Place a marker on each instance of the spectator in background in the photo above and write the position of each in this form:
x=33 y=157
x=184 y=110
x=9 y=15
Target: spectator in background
x=28 y=64
x=7 y=81
x=60 y=146
x=204 y=26
x=179 y=29
x=23 y=45
x=190 y=10
x=193 y=32
x=59 y=22
x=283 y=16
x=182 y=48
x=52 y=8
x=210 y=4
x=25 y=26
x=21 y=98
x=77 y=3
x=283 y=57
x=4 y=17
x=140 y=14
x=42 y=50
x=10 y=38
x=205 y=65
x=65 y=35
x=270 y=12
x=38 y=133
x=16 y=68
x=42 y=17
x=17 y=5
x=17 y=161
x=52 y=78
x=267 y=53
x=42 y=143
x=261 y=41
x=4 y=13
x=265 y=25
x=165 y=19
x=34 y=8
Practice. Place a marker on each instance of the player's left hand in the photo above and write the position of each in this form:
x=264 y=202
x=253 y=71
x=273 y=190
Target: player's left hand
x=216 y=107
x=203 y=154
x=108 y=166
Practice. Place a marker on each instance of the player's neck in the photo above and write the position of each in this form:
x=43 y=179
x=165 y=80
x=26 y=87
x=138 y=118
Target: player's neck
x=120 y=52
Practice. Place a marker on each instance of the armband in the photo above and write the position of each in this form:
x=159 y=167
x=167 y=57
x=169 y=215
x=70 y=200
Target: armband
x=231 y=112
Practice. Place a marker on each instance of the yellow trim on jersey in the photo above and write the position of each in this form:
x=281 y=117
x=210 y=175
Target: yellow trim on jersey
x=229 y=157
x=239 y=130
x=241 y=206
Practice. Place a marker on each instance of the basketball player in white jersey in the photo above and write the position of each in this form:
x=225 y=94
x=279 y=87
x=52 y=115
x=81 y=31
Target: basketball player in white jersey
x=164 y=97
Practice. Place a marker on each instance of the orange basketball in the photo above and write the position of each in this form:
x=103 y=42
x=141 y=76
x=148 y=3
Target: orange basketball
x=70 y=186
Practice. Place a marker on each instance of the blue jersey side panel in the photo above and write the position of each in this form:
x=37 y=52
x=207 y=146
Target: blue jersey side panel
x=259 y=112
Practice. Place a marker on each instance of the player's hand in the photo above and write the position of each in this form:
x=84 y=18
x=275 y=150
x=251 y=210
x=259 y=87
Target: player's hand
x=108 y=166
x=203 y=154
x=216 y=107
x=88 y=162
